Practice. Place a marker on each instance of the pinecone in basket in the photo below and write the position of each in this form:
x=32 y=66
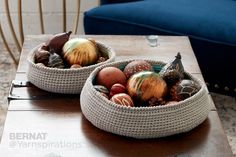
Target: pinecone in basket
x=173 y=93
x=156 y=102
x=171 y=77
x=176 y=64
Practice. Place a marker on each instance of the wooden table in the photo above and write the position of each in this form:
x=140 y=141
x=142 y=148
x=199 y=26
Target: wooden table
x=62 y=130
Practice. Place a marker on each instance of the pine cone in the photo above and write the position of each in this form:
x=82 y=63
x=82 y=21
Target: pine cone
x=174 y=65
x=171 y=77
x=156 y=102
x=173 y=93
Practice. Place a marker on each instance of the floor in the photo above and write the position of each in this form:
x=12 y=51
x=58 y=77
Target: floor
x=226 y=105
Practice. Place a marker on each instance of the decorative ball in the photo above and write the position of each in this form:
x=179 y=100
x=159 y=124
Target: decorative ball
x=75 y=66
x=116 y=89
x=101 y=89
x=171 y=77
x=122 y=99
x=136 y=66
x=56 y=43
x=55 y=61
x=109 y=76
x=183 y=90
x=80 y=51
x=42 y=56
x=145 y=85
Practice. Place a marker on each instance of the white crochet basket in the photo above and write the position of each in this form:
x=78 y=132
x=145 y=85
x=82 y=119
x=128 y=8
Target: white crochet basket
x=143 y=122
x=66 y=81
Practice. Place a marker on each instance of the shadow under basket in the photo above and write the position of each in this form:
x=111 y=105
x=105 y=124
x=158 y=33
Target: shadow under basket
x=65 y=81
x=143 y=122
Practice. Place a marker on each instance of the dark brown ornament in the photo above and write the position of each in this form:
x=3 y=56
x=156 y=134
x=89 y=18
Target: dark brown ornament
x=171 y=77
x=42 y=56
x=183 y=90
x=55 y=61
x=56 y=43
x=174 y=65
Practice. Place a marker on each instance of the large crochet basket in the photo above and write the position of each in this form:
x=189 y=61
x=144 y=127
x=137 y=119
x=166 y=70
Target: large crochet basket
x=66 y=81
x=143 y=122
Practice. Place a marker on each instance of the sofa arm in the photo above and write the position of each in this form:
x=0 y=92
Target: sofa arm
x=115 y=1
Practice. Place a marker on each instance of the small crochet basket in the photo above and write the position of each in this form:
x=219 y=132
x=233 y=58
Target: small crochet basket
x=65 y=81
x=143 y=122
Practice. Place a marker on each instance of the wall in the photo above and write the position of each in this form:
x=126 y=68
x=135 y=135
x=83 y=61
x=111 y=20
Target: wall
x=52 y=16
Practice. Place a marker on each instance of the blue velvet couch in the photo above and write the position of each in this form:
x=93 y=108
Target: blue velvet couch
x=210 y=25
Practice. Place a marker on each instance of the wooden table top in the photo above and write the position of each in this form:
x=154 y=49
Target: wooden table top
x=40 y=123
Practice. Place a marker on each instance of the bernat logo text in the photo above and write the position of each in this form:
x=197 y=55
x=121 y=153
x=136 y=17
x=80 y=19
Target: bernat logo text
x=27 y=136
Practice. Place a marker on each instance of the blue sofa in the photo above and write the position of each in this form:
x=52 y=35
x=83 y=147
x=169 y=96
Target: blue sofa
x=210 y=25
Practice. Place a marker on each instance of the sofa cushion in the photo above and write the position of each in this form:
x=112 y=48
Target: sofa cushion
x=210 y=20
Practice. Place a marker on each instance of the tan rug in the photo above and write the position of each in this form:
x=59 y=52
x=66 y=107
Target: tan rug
x=226 y=105
x=7 y=74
